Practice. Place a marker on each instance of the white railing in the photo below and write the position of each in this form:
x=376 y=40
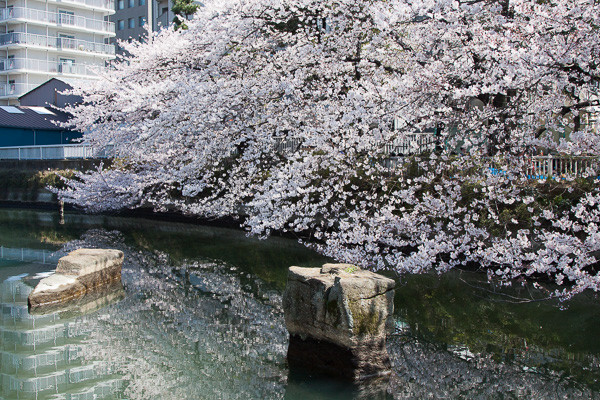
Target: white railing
x=56 y=42
x=15 y=89
x=283 y=145
x=413 y=143
x=51 y=67
x=537 y=167
x=556 y=166
x=61 y=19
x=52 y=152
x=103 y=4
x=28 y=255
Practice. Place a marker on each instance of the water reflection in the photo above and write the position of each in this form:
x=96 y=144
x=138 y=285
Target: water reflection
x=90 y=302
x=199 y=316
x=531 y=343
x=44 y=356
x=307 y=385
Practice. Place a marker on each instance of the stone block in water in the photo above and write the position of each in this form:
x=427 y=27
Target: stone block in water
x=78 y=273
x=90 y=302
x=338 y=317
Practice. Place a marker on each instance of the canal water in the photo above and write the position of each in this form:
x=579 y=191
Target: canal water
x=198 y=316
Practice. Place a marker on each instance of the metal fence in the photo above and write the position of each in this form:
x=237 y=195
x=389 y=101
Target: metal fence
x=15 y=89
x=553 y=166
x=28 y=255
x=537 y=167
x=52 y=152
x=64 y=67
x=398 y=154
x=414 y=143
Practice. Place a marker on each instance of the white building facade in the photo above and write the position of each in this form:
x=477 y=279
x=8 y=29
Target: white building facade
x=44 y=39
x=133 y=18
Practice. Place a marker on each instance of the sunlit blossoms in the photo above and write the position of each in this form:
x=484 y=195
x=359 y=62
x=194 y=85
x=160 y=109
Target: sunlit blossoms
x=288 y=113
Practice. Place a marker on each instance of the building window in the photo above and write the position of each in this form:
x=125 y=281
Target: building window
x=66 y=17
x=142 y=2
x=142 y=21
x=120 y=4
x=66 y=41
x=131 y=23
x=121 y=25
x=131 y=3
x=66 y=66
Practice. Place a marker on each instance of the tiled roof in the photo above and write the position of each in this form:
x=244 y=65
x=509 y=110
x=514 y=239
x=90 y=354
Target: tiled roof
x=28 y=118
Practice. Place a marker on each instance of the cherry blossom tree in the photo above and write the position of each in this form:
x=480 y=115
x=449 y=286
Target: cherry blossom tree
x=289 y=113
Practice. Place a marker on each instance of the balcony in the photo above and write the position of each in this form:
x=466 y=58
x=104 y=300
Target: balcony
x=107 y=5
x=48 y=67
x=58 y=19
x=14 y=90
x=18 y=39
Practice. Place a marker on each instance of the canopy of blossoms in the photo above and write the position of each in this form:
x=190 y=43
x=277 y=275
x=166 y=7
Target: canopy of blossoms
x=290 y=113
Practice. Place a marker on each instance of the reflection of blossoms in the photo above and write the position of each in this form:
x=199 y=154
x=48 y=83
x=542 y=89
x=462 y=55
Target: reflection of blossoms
x=425 y=371
x=93 y=238
x=189 y=329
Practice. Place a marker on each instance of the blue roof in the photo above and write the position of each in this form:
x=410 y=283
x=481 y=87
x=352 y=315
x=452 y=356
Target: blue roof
x=32 y=118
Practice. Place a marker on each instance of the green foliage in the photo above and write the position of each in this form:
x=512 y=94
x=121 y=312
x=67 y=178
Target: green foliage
x=469 y=191
x=183 y=9
x=290 y=26
x=53 y=178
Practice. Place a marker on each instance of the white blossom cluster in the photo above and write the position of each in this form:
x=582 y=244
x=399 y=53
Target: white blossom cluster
x=198 y=117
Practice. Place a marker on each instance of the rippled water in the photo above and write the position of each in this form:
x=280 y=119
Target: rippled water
x=198 y=316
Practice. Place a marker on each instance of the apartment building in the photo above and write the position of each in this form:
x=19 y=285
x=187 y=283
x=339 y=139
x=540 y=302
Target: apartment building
x=132 y=18
x=43 y=39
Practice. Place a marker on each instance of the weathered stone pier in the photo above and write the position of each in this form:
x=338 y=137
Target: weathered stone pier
x=338 y=317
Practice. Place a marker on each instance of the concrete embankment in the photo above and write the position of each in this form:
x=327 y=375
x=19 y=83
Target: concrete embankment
x=23 y=183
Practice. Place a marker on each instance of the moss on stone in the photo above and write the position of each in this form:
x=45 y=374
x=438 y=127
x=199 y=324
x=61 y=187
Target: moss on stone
x=352 y=269
x=365 y=323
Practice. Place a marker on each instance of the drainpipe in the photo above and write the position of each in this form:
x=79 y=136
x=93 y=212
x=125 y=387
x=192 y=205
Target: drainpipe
x=150 y=20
